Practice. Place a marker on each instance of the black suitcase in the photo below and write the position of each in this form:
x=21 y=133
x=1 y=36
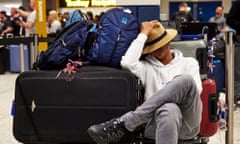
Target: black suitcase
x=4 y=59
x=237 y=72
x=54 y=110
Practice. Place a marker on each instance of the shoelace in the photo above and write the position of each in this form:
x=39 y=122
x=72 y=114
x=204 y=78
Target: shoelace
x=113 y=125
x=112 y=132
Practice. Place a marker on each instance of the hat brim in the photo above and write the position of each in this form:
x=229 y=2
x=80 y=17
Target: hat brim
x=171 y=34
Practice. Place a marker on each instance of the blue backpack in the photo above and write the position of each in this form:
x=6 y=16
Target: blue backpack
x=74 y=16
x=116 y=29
x=69 y=44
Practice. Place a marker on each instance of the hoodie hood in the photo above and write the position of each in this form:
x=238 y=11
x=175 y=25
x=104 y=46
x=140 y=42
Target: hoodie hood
x=177 y=57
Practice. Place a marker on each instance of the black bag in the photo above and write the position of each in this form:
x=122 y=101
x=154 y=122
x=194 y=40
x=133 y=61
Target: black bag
x=51 y=110
x=219 y=47
x=4 y=60
x=237 y=72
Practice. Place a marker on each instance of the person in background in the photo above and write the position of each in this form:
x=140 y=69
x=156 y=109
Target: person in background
x=15 y=19
x=172 y=109
x=182 y=15
x=233 y=20
x=23 y=18
x=233 y=17
x=89 y=15
x=30 y=23
x=96 y=18
x=185 y=9
x=219 y=19
x=53 y=24
x=5 y=30
x=6 y=27
x=65 y=16
x=61 y=19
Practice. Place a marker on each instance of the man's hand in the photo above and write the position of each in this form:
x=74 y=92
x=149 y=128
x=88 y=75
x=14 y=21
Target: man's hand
x=147 y=26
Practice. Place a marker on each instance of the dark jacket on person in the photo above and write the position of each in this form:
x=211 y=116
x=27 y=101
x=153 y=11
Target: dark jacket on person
x=233 y=18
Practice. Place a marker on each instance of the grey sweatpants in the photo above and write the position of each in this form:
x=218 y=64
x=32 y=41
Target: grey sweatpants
x=172 y=113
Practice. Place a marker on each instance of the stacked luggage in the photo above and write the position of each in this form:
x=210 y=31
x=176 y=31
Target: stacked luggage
x=53 y=107
x=59 y=107
x=62 y=112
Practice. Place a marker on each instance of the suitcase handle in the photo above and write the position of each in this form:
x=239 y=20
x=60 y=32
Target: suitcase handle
x=213 y=108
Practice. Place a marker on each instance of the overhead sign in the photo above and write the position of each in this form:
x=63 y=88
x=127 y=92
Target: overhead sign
x=77 y=3
x=103 y=2
x=89 y=3
x=138 y=2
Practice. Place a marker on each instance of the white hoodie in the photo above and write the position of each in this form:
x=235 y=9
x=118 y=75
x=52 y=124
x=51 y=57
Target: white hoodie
x=155 y=75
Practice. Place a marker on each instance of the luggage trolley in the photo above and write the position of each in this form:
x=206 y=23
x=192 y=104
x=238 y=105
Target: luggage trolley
x=229 y=84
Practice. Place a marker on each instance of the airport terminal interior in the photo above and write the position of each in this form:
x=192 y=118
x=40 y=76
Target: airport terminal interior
x=29 y=27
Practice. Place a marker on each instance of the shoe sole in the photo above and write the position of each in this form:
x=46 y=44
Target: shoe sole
x=99 y=140
x=95 y=137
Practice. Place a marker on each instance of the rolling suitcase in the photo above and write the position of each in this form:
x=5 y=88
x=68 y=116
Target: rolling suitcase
x=15 y=58
x=210 y=116
x=2 y=60
x=50 y=110
x=218 y=74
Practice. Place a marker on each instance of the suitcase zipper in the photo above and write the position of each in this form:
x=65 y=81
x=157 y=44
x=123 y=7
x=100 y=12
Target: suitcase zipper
x=114 y=48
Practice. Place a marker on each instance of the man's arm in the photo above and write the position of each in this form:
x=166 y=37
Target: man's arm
x=27 y=25
x=9 y=29
x=22 y=13
x=192 y=68
x=30 y=22
x=131 y=59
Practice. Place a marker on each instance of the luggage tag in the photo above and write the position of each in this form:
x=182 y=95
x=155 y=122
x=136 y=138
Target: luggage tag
x=71 y=68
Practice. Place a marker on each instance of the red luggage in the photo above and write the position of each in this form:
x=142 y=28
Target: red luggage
x=209 y=123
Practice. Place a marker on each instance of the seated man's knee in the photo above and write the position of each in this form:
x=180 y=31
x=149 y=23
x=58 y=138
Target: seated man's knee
x=170 y=112
x=185 y=79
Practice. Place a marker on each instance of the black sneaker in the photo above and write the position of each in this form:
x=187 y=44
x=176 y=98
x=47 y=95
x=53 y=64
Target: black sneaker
x=112 y=131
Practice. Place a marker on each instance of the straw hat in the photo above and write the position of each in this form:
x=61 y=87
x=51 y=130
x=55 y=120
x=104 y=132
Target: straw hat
x=158 y=38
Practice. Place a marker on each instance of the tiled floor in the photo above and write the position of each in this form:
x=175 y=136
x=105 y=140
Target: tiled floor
x=7 y=83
